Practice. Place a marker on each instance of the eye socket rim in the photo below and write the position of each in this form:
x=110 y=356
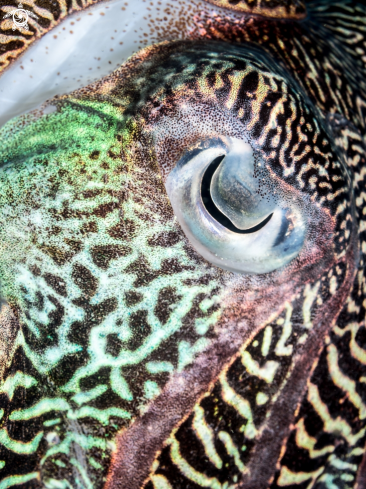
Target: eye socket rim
x=183 y=185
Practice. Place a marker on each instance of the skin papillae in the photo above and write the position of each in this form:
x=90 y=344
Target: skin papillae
x=135 y=362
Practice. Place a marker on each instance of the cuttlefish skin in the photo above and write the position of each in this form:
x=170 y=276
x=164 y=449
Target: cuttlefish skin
x=136 y=362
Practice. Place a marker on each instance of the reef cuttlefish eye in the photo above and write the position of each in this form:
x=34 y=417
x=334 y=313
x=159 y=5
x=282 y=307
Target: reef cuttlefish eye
x=182 y=245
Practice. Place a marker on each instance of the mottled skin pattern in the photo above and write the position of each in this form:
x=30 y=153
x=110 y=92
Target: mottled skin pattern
x=136 y=362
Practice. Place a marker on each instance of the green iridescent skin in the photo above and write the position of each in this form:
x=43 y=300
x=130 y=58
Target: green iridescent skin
x=62 y=211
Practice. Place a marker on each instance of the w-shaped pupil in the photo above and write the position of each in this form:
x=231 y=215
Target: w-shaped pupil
x=211 y=207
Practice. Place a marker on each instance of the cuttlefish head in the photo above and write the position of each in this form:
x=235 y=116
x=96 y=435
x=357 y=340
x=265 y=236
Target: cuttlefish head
x=248 y=163
x=151 y=226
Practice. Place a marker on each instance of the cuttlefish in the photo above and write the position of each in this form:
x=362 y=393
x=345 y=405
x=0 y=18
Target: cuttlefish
x=182 y=249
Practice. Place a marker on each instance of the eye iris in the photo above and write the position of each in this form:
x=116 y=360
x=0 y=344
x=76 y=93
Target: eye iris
x=215 y=194
x=212 y=208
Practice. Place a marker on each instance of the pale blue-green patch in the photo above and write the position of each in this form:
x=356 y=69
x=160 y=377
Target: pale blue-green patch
x=158 y=367
x=57 y=484
x=347 y=477
x=199 y=478
x=329 y=481
x=207 y=303
x=18 y=446
x=59 y=463
x=231 y=449
x=341 y=464
x=42 y=407
x=241 y=405
x=187 y=352
x=95 y=464
x=51 y=422
x=19 y=379
x=16 y=480
x=160 y=482
x=261 y=398
x=119 y=384
x=102 y=415
x=206 y=435
x=267 y=338
x=2 y=464
x=202 y=325
x=86 y=396
x=151 y=389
